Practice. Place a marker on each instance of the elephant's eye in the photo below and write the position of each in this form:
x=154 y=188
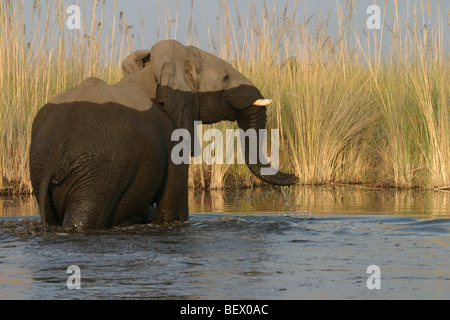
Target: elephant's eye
x=226 y=79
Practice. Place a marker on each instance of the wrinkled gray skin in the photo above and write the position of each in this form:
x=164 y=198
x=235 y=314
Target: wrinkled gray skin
x=100 y=154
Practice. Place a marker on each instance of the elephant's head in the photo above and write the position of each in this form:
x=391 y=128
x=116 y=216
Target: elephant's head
x=192 y=84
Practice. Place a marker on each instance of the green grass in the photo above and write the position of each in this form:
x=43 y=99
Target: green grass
x=346 y=112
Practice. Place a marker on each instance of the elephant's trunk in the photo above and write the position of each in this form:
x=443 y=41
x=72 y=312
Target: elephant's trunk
x=255 y=117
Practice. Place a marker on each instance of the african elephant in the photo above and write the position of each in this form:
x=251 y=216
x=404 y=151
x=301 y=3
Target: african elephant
x=100 y=154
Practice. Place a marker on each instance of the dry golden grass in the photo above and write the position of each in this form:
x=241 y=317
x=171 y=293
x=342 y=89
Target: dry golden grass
x=346 y=111
x=39 y=59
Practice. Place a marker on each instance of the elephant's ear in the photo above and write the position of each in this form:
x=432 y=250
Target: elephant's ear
x=182 y=108
x=192 y=76
x=178 y=83
x=135 y=61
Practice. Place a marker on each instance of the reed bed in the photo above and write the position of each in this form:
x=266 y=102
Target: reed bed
x=353 y=107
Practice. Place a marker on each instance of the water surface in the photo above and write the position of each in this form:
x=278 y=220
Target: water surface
x=302 y=243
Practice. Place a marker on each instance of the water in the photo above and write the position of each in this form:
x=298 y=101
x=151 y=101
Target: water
x=302 y=243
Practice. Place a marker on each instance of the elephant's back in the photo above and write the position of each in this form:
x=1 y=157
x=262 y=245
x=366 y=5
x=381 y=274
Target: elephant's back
x=94 y=90
x=99 y=125
x=85 y=133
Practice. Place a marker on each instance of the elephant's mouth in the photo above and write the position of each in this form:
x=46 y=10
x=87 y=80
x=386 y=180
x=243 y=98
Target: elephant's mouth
x=161 y=92
x=255 y=117
x=249 y=108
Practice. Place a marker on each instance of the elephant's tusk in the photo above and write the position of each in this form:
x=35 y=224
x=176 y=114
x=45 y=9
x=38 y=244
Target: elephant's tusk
x=262 y=102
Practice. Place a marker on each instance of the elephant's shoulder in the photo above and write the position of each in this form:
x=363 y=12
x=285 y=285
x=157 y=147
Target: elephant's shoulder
x=86 y=91
x=97 y=91
x=92 y=81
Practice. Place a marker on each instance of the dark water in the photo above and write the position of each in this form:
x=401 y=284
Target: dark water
x=306 y=243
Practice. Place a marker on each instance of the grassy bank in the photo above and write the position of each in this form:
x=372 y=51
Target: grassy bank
x=348 y=111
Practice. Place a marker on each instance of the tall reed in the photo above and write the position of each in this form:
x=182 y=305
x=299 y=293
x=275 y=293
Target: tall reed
x=411 y=86
x=39 y=59
x=367 y=107
x=348 y=111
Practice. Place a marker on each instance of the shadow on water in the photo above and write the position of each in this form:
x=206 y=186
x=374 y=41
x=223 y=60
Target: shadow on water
x=250 y=244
